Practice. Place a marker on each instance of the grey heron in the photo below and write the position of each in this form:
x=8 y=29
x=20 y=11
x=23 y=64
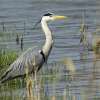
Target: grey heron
x=18 y=67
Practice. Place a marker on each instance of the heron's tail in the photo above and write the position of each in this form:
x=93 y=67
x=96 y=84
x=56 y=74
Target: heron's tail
x=6 y=76
x=3 y=79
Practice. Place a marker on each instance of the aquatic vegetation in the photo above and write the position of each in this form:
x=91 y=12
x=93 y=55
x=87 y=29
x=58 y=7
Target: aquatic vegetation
x=69 y=64
x=6 y=58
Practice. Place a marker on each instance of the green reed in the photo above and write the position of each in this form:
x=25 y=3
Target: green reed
x=6 y=58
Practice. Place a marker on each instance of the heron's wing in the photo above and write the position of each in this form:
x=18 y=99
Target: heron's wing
x=27 y=62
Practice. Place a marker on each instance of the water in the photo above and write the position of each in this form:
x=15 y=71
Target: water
x=20 y=16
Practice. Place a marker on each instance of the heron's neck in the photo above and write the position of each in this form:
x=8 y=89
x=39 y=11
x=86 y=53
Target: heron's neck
x=49 y=40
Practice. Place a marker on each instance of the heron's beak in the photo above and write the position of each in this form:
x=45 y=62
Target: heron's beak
x=59 y=17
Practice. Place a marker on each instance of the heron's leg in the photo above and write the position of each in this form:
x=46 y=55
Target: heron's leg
x=35 y=76
x=29 y=89
x=35 y=85
x=35 y=80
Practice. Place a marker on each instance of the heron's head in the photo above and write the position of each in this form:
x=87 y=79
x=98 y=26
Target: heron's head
x=52 y=17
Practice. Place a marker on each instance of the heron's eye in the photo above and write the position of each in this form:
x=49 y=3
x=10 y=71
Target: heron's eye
x=50 y=15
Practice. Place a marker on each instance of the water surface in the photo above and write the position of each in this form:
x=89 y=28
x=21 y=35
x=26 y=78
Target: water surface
x=20 y=16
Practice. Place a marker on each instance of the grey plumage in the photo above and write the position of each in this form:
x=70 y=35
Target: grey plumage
x=32 y=60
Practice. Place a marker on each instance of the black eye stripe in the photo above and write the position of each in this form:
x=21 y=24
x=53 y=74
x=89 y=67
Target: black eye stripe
x=48 y=14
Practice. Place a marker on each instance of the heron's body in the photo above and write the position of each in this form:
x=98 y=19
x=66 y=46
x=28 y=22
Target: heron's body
x=32 y=60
